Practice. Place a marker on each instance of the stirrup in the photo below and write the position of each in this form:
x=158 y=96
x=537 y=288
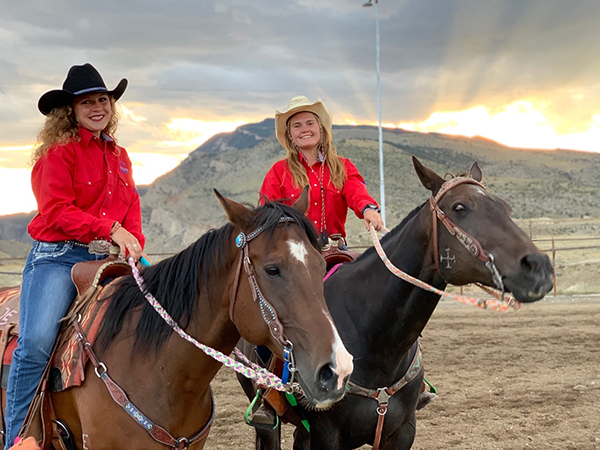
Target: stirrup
x=253 y=408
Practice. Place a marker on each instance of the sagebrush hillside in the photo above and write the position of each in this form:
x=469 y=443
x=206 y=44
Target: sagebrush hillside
x=180 y=206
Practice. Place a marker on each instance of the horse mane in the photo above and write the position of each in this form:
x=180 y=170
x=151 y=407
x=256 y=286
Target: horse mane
x=397 y=229
x=176 y=282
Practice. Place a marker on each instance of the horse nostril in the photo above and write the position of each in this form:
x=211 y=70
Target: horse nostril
x=326 y=376
x=529 y=263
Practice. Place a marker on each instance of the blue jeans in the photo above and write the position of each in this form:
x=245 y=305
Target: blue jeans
x=46 y=295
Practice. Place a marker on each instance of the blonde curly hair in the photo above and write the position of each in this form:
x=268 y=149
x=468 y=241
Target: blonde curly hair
x=62 y=127
x=336 y=167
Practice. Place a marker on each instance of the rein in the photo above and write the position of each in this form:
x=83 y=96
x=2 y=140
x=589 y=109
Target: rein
x=494 y=305
x=468 y=241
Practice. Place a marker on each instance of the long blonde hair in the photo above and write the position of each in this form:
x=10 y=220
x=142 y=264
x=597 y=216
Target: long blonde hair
x=337 y=171
x=62 y=127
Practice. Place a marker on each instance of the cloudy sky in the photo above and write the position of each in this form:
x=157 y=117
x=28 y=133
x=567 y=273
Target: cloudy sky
x=522 y=72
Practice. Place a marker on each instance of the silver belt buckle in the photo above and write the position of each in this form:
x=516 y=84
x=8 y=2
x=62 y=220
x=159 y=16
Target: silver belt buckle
x=99 y=247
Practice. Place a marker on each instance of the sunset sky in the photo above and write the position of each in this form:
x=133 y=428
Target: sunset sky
x=525 y=73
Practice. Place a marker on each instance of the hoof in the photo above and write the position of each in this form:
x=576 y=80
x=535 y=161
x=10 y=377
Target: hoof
x=425 y=398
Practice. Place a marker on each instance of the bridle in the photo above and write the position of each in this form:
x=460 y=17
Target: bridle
x=472 y=245
x=267 y=310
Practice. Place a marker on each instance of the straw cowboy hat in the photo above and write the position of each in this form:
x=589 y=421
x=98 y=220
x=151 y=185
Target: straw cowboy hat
x=296 y=105
x=80 y=80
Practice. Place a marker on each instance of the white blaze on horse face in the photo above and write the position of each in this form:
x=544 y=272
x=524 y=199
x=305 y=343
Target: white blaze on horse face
x=480 y=190
x=298 y=251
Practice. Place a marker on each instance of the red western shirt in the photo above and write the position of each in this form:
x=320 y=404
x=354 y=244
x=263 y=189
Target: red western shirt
x=278 y=185
x=81 y=189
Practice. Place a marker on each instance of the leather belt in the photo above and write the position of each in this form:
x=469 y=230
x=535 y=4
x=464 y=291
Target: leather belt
x=96 y=247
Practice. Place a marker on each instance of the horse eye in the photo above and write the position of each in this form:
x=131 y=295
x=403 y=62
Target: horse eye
x=459 y=208
x=272 y=271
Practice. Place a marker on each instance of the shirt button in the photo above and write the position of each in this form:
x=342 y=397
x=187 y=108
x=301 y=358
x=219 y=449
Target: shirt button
x=292 y=195
x=315 y=203
x=126 y=184
x=109 y=192
x=315 y=185
x=89 y=182
x=105 y=214
x=110 y=171
x=315 y=221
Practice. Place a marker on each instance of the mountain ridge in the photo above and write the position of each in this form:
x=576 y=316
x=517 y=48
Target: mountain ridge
x=180 y=206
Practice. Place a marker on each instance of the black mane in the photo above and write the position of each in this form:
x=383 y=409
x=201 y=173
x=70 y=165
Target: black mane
x=176 y=282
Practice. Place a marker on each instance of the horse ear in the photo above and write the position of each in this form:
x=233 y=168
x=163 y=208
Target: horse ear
x=301 y=205
x=428 y=177
x=237 y=213
x=475 y=172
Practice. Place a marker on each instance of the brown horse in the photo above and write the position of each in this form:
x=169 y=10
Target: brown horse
x=463 y=234
x=166 y=379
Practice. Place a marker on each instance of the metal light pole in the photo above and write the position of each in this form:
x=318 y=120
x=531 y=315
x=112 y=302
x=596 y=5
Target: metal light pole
x=381 y=183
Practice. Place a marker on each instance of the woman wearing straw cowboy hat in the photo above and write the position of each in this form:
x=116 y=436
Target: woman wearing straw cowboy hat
x=86 y=199
x=304 y=130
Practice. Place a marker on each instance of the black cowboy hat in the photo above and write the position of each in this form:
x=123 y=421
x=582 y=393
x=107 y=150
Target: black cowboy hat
x=80 y=80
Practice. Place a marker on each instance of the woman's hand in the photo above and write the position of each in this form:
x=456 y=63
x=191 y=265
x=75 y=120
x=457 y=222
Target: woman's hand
x=128 y=243
x=374 y=218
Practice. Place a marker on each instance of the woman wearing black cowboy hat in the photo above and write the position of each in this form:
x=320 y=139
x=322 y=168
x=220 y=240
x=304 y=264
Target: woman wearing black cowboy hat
x=86 y=199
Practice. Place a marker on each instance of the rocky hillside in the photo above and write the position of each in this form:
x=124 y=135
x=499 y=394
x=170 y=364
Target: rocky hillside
x=178 y=207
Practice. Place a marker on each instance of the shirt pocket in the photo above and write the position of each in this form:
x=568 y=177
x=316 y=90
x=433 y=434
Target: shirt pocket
x=125 y=187
x=88 y=187
x=333 y=196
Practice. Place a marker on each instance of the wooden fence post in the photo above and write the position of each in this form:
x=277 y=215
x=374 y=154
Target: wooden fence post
x=554 y=265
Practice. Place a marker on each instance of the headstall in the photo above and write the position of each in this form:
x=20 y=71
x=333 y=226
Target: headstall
x=469 y=242
x=267 y=310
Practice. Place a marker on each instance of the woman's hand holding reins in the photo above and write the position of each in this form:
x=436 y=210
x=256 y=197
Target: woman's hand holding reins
x=372 y=217
x=128 y=243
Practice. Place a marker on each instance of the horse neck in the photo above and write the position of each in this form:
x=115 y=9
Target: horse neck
x=385 y=315
x=180 y=375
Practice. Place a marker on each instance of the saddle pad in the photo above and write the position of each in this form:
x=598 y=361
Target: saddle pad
x=69 y=358
x=9 y=307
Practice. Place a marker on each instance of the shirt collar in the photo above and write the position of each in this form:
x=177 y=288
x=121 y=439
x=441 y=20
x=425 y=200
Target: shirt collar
x=87 y=136
x=303 y=158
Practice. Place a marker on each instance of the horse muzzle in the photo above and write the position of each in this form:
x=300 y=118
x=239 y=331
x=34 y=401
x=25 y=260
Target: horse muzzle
x=533 y=280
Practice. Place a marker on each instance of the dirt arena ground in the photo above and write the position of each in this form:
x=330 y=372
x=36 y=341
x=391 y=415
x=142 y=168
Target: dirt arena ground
x=527 y=379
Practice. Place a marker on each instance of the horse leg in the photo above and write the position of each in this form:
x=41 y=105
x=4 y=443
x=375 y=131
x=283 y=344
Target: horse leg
x=301 y=439
x=403 y=438
x=268 y=440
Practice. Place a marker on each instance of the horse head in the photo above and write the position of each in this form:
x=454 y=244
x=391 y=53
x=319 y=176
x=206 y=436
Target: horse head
x=479 y=240
x=282 y=305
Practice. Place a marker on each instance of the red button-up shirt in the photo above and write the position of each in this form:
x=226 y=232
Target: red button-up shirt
x=81 y=189
x=278 y=185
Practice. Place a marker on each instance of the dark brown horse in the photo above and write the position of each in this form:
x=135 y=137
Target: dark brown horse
x=380 y=316
x=204 y=289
